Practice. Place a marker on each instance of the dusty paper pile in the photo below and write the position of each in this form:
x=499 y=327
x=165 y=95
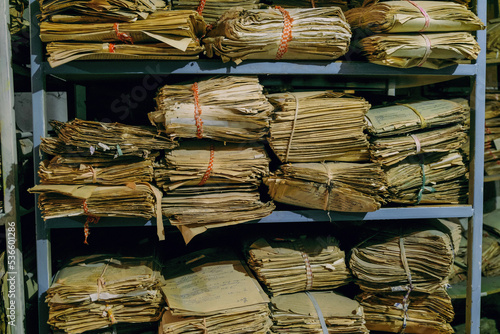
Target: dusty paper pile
x=434 y=179
x=312 y=3
x=409 y=129
x=231 y=108
x=493 y=40
x=405 y=16
x=318 y=126
x=403 y=272
x=111 y=139
x=71 y=11
x=98 y=291
x=212 y=184
x=492 y=134
x=331 y=186
x=212 y=291
x=277 y=33
x=211 y=9
x=165 y=35
x=302 y=264
x=429 y=50
x=316 y=312
x=425 y=313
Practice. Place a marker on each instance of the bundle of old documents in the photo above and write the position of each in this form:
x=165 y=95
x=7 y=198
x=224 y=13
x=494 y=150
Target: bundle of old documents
x=167 y=35
x=397 y=257
x=406 y=16
x=408 y=117
x=331 y=186
x=433 y=179
x=230 y=164
x=277 y=33
x=211 y=9
x=493 y=40
x=231 y=108
x=301 y=264
x=212 y=291
x=317 y=312
x=318 y=126
x=492 y=134
x=111 y=139
x=429 y=50
x=415 y=313
x=95 y=12
x=98 y=291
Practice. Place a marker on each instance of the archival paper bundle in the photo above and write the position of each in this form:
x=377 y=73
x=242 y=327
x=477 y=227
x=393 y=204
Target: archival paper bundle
x=212 y=10
x=98 y=291
x=276 y=33
x=341 y=186
x=231 y=108
x=318 y=126
x=299 y=264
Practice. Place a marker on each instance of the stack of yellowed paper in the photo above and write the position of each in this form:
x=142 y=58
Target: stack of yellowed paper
x=492 y=134
x=231 y=108
x=409 y=129
x=317 y=312
x=301 y=264
x=331 y=186
x=212 y=291
x=19 y=22
x=431 y=34
x=437 y=178
x=59 y=170
x=212 y=184
x=425 y=313
x=403 y=272
x=95 y=292
x=231 y=165
x=111 y=139
x=398 y=257
x=405 y=16
x=277 y=33
x=211 y=9
x=490 y=257
x=493 y=40
x=163 y=35
x=71 y=11
x=312 y=3
x=429 y=50
x=318 y=126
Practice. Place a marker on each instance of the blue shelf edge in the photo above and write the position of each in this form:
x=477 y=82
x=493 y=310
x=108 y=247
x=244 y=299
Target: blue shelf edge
x=297 y=216
x=217 y=67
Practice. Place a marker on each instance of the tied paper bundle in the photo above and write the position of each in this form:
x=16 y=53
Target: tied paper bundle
x=212 y=291
x=413 y=16
x=111 y=139
x=342 y=186
x=312 y=3
x=434 y=179
x=318 y=126
x=277 y=33
x=212 y=164
x=140 y=200
x=424 y=314
x=391 y=150
x=71 y=11
x=491 y=257
x=211 y=9
x=396 y=257
x=404 y=118
x=492 y=134
x=294 y=265
x=317 y=312
x=430 y=50
x=97 y=291
x=57 y=171
x=231 y=108
x=493 y=40
x=165 y=35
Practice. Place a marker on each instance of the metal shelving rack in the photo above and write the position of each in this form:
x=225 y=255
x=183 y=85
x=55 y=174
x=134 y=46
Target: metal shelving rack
x=9 y=218
x=92 y=69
